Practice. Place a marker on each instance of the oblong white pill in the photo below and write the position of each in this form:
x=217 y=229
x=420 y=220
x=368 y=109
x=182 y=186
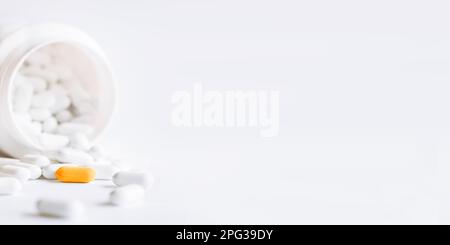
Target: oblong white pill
x=49 y=125
x=127 y=195
x=70 y=155
x=80 y=141
x=43 y=100
x=60 y=208
x=71 y=128
x=19 y=173
x=124 y=178
x=53 y=142
x=35 y=159
x=40 y=114
x=8 y=161
x=9 y=185
x=49 y=171
x=33 y=71
x=35 y=171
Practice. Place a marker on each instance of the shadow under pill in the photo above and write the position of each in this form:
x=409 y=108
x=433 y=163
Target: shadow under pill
x=38 y=215
x=106 y=204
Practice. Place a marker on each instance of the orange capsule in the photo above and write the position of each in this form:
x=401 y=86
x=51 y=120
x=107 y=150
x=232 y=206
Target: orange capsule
x=75 y=174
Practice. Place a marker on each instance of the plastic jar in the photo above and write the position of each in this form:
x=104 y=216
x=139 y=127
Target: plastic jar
x=84 y=56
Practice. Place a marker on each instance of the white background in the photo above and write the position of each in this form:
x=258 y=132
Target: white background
x=364 y=110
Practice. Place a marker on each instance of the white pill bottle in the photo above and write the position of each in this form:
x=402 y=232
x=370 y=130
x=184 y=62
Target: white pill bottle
x=78 y=50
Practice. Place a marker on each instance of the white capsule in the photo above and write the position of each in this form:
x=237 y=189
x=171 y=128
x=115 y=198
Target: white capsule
x=49 y=125
x=127 y=195
x=124 y=178
x=43 y=100
x=53 y=142
x=23 y=94
x=38 y=160
x=9 y=185
x=19 y=173
x=103 y=172
x=60 y=208
x=33 y=71
x=80 y=141
x=49 y=171
x=64 y=116
x=35 y=171
x=8 y=161
x=71 y=128
x=70 y=155
x=40 y=114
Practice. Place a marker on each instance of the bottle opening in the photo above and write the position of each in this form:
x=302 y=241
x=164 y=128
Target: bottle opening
x=57 y=89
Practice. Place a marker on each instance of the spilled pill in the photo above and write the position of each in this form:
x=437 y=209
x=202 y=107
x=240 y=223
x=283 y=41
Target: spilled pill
x=75 y=174
x=123 y=178
x=60 y=208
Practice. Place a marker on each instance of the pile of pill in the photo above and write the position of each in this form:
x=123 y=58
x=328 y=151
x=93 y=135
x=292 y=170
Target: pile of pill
x=53 y=110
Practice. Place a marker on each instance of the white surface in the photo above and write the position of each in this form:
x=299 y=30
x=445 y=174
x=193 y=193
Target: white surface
x=364 y=131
